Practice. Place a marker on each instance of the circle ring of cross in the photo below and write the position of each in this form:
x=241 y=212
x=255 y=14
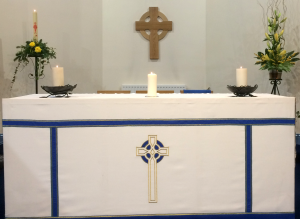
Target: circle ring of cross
x=143 y=32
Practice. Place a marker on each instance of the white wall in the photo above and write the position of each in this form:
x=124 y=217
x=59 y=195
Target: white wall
x=235 y=32
x=126 y=53
x=73 y=27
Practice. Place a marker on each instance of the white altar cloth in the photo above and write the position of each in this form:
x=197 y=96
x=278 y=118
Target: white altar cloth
x=190 y=155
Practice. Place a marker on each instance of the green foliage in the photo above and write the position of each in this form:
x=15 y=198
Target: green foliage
x=33 y=49
x=275 y=57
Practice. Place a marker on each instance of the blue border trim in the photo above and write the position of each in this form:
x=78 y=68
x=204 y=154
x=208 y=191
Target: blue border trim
x=248 y=150
x=54 y=174
x=192 y=216
x=197 y=91
x=145 y=122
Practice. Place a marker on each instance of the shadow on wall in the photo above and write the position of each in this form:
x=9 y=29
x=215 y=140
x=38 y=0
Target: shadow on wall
x=293 y=78
x=4 y=84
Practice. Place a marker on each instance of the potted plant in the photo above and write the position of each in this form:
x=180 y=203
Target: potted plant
x=42 y=54
x=276 y=59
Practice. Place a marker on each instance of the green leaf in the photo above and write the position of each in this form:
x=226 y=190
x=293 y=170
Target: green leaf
x=289 y=53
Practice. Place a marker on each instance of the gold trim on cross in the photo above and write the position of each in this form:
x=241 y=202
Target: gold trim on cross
x=149 y=153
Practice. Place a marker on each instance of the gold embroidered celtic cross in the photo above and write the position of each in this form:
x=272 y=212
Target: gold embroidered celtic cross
x=152 y=152
x=153 y=25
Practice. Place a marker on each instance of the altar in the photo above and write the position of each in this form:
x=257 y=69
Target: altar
x=125 y=155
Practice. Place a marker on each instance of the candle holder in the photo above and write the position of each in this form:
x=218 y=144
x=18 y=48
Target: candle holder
x=59 y=91
x=242 y=91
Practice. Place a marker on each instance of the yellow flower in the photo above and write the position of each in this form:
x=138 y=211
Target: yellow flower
x=278 y=47
x=267 y=36
x=281 y=33
x=267 y=57
x=32 y=44
x=283 y=52
x=274 y=21
x=38 y=49
x=276 y=37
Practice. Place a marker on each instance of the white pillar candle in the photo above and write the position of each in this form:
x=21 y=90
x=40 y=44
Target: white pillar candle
x=35 y=26
x=152 y=84
x=58 y=76
x=241 y=77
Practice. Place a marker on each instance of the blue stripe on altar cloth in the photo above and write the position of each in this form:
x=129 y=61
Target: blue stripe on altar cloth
x=248 y=150
x=54 y=173
x=188 y=216
x=146 y=122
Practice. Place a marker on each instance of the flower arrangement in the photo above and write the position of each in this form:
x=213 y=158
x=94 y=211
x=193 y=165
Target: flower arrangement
x=275 y=57
x=33 y=49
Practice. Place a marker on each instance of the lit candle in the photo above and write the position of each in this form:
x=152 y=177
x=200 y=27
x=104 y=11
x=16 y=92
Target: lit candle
x=35 y=26
x=241 y=76
x=58 y=76
x=152 y=84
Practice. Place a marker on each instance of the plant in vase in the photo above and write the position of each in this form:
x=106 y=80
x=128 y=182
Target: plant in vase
x=276 y=59
x=42 y=54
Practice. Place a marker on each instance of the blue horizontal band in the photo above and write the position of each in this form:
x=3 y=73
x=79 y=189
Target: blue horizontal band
x=198 y=216
x=197 y=91
x=145 y=122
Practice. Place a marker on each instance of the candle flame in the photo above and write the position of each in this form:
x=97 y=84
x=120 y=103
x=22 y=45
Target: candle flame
x=34 y=10
x=57 y=66
x=241 y=67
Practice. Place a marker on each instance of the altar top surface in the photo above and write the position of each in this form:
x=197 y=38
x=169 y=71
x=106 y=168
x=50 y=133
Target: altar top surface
x=144 y=96
x=138 y=106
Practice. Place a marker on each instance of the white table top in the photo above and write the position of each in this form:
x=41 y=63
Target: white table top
x=144 y=96
x=131 y=106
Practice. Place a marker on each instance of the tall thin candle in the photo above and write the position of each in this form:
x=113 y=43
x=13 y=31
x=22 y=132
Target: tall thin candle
x=35 y=26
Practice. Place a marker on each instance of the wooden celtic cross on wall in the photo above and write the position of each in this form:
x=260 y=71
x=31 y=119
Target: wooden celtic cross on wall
x=153 y=25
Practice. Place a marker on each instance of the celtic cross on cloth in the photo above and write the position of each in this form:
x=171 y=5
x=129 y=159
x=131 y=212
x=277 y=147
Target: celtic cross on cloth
x=152 y=152
x=153 y=25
